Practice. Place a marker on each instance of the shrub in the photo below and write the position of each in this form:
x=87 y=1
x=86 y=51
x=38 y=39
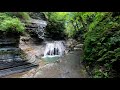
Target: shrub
x=12 y=24
x=55 y=28
x=21 y=15
x=102 y=46
x=8 y=23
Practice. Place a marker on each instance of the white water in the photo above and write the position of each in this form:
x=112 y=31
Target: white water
x=55 y=48
x=40 y=31
x=41 y=27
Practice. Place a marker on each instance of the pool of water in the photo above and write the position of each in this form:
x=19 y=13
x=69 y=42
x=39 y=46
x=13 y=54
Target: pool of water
x=50 y=59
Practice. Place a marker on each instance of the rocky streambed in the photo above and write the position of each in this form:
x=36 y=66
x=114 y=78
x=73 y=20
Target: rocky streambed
x=68 y=66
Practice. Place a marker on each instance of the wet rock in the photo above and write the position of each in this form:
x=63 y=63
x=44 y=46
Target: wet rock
x=79 y=46
x=37 y=15
x=36 y=27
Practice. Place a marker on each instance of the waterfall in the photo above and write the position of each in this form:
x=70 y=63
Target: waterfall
x=41 y=27
x=37 y=27
x=55 y=48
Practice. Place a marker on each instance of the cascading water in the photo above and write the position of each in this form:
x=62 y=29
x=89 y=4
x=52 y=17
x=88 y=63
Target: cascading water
x=54 y=50
x=37 y=27
x=41 y=26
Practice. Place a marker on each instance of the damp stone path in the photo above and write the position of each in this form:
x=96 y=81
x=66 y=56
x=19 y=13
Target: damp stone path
x=68 y=66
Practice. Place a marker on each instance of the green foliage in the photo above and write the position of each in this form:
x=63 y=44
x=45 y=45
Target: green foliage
x=75 y=23
x=100 y=32
x=55 y=28
x=102 y=44
x=24 y=15
x=56 y=16
x=21 y=15
x=98 y=73
x=79 y=21
x=98 y=17
x=10 y=23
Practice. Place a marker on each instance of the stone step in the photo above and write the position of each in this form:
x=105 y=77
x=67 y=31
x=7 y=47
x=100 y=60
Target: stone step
x=18 y=69
x=79 y=46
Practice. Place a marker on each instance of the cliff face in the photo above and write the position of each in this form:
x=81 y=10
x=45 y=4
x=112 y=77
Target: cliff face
x=36 y=28
x=37 y=15
x=9 y=47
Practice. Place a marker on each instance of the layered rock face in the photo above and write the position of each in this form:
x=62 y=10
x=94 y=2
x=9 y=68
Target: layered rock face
x=36 y=28
x=11 y=56
x=9 y=46
x=37 y=15
x=36 y=25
